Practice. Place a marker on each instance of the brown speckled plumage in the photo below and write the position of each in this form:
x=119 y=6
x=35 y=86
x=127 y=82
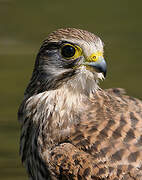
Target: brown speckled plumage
x=68 y=132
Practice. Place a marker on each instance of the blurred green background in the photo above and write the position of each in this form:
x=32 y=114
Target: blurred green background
x=23 y=26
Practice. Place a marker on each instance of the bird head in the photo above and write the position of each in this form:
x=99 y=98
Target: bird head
x=69 y=54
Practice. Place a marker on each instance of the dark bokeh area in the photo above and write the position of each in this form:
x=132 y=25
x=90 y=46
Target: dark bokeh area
x=23 y=26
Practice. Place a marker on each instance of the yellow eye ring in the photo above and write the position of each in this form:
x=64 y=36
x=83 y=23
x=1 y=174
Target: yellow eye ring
x=70 y=51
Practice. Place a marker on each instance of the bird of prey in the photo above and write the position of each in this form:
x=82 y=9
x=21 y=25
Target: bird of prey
x=71 y=129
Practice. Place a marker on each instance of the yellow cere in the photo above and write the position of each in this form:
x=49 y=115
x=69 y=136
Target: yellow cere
x=94 y=57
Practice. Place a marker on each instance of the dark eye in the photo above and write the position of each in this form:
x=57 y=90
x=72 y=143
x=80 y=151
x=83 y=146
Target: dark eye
x=68 y=51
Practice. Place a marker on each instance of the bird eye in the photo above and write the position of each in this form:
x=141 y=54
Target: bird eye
x=68 y=51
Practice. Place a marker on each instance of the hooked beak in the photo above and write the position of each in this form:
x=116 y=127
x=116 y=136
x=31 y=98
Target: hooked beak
x=98 y=64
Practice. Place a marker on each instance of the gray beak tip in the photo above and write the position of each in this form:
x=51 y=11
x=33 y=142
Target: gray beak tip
x=100 y=66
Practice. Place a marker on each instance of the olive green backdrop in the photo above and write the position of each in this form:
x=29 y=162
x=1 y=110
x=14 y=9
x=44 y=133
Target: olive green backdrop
x=23 y=26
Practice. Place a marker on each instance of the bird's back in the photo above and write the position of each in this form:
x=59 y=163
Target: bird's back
x=107 y=143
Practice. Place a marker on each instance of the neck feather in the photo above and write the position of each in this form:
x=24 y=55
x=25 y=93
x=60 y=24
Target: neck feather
x=70 y=96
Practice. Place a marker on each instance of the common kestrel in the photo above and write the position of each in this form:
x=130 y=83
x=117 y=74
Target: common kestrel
x=71 y=128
